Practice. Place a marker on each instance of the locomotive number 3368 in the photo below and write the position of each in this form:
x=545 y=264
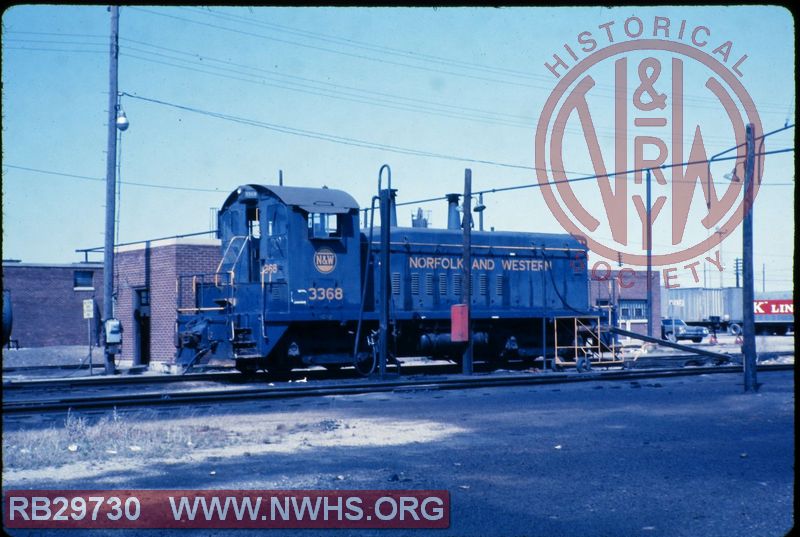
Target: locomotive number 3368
x=325 y=293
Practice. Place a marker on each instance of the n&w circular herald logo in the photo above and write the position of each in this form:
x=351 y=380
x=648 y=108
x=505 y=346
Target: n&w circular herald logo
x=325 y=260
x=647 y=93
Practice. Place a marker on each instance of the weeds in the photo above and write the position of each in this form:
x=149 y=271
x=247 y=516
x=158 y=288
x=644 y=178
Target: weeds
x=112 y=436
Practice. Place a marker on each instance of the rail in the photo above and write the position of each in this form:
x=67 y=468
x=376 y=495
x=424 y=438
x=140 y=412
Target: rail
x=456 y=382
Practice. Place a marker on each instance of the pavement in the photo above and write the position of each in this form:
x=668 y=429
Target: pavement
x=684 y=456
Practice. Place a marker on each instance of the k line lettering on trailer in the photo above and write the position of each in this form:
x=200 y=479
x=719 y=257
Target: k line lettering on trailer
x=773 y=307
x=457 y=263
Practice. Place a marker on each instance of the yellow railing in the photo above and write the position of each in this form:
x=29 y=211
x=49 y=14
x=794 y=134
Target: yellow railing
x=585 y=342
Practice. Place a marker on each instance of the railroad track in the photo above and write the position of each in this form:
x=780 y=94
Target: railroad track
x=150 y=399
x=230 y=376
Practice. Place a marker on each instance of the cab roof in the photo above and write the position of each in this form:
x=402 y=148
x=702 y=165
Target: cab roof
x=313 y=200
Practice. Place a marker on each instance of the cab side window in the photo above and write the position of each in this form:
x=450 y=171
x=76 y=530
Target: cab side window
x=324 y=226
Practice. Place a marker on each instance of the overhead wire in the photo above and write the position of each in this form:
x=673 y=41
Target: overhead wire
x=204 y=58
x=483 y=116
x=328 y=93
x=102 y=179
x=411 y=54
x=333 y=51
x=332 y=137
x=417 y=55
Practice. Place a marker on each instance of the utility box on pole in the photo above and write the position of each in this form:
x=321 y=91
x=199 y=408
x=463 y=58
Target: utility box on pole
x=459 y=323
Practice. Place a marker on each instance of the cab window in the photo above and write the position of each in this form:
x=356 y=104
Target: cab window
x=324 y=226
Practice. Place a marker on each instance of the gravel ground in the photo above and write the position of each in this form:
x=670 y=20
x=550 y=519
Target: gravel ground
x=676 y=457
x=57 y=355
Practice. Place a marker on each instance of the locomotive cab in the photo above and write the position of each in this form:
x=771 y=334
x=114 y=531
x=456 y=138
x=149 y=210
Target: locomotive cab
x=288 y=254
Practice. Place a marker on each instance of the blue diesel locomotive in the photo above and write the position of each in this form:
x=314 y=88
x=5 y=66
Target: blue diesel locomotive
x=298 y=281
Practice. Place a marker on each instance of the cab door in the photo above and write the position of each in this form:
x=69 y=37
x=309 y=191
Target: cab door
x=275 y=270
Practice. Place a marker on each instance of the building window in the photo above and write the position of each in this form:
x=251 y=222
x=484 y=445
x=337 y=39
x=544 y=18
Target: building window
x=143 y=297
x=82 y=280
x=633 y=310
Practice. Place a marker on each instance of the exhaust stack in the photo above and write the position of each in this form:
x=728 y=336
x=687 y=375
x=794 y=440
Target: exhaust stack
x=453 y=220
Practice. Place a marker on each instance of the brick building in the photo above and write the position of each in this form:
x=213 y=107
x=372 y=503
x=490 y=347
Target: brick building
x=47 y=302
x=146 y=276
x=627 y=289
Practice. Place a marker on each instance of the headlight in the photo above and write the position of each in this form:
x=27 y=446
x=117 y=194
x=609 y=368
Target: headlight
x=681 y=330
x=705 y=331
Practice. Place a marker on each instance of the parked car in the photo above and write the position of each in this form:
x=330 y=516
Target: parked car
x=676 y=329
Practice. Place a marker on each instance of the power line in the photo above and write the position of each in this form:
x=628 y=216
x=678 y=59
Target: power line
x=608 y=175
x=371 y=46
x=334 y=138
x=415 y=55
x=375 y=48
x=52 y=42
x=204 y=58
x=200 y=60
x=99 y=36
x=332 y=51
x=55 y=49
x=397 y=149
x=101 y=179
x=217 y=190
x=329 y=93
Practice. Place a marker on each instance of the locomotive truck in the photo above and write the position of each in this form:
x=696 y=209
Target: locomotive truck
x=298 y=282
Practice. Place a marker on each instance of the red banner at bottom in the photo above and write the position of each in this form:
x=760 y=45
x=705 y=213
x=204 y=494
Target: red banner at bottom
x=263 y=509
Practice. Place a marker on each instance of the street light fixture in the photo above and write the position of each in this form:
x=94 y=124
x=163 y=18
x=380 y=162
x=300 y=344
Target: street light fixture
x=122 y=121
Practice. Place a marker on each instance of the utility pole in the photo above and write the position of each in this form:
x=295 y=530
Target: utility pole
x=111 y=184
x=466 y=286
x=749 y=346
x=649 y=261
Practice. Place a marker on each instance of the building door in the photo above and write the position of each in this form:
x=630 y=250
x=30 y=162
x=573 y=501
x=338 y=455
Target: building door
x=141 y=316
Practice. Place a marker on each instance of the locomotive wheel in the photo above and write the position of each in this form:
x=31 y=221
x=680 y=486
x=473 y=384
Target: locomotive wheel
x=248 y=368
x=366 y=363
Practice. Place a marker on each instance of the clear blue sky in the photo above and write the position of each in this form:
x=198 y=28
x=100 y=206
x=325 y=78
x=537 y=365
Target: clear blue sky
x=457 y=82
